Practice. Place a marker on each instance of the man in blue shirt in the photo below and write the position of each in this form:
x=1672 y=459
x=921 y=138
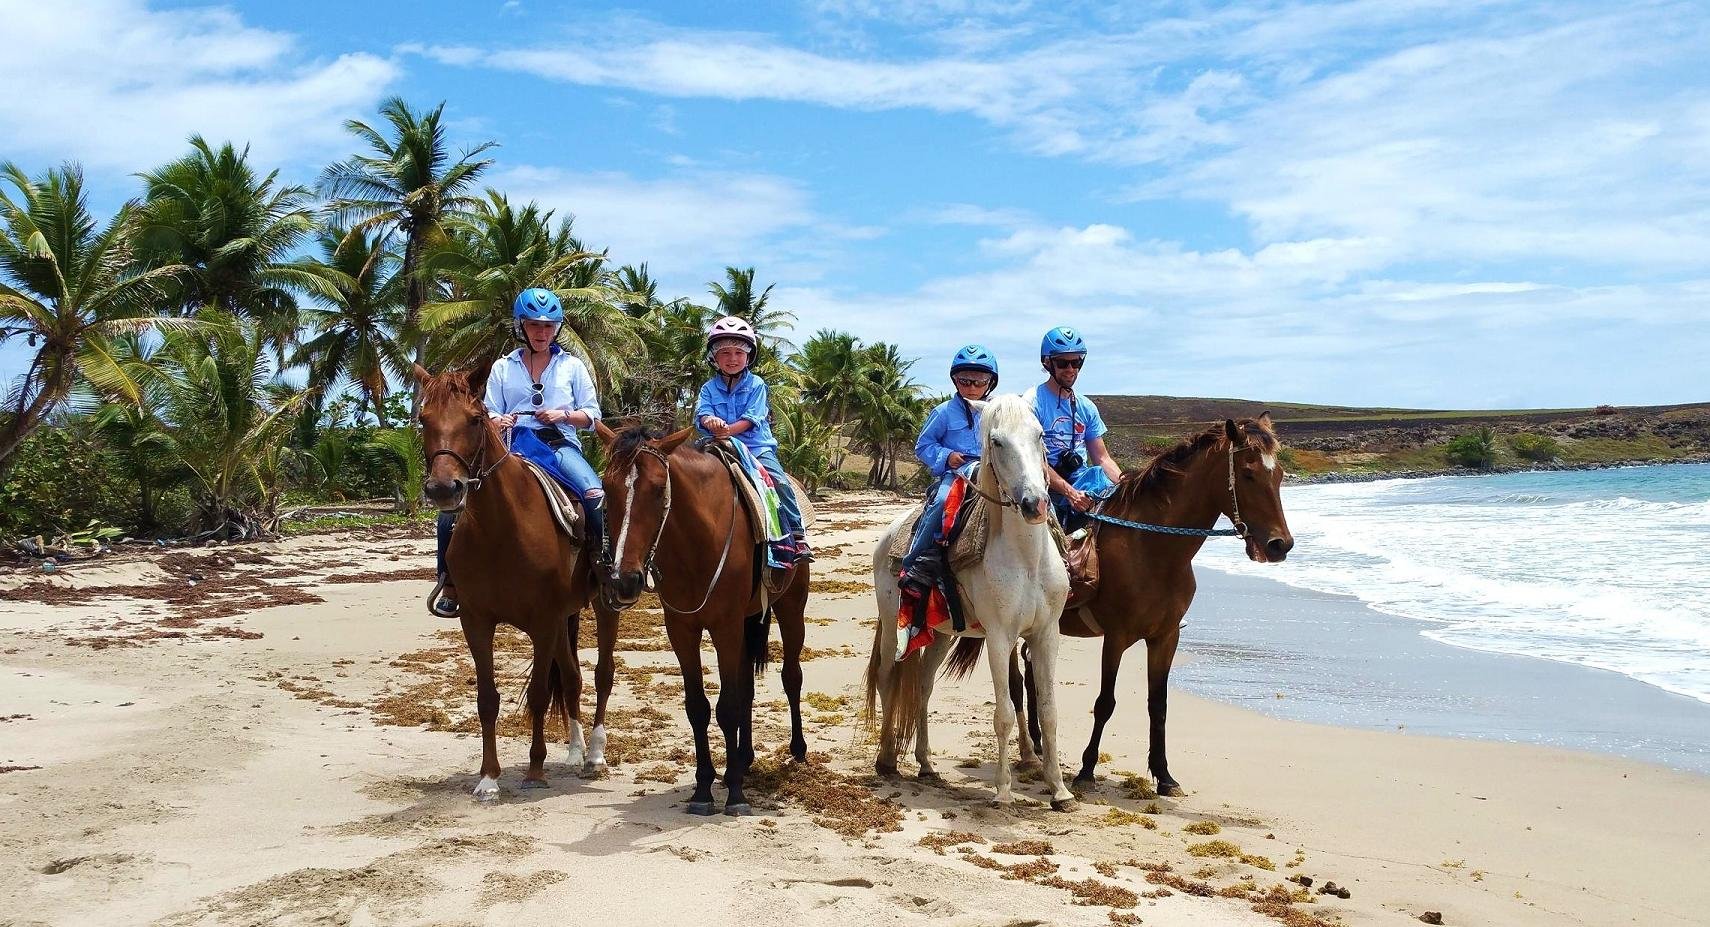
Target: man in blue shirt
x=1081 y=469
x=949 y=445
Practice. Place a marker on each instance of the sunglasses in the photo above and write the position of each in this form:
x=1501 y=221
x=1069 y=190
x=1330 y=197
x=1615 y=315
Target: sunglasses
x=1068 y=363
x=539 y=395
x=971 y=381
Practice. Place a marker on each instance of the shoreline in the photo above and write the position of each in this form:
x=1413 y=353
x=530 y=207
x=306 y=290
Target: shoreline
x=1373 y=477
x=1325 y=658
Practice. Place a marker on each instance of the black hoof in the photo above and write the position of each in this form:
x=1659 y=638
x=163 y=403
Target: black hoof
x=1085 y=779
x=929 y=775
x=535 y=784
x=885 y=771
x=1171 y=789
x=1062 y=804
x=798 y=752
x=740 y=810
x=701 y=808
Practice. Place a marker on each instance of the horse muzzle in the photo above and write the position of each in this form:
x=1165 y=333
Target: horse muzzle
x=624 y=589
x=1034 y=509
x=446 y=495
x=1274 y=550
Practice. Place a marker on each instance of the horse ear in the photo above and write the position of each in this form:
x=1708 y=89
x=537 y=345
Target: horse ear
x=1265 y=421
x=421 y=374
x=478 y=377
x=606 y=435
x=1232 y=430
x=978 y=405
x=675 y=439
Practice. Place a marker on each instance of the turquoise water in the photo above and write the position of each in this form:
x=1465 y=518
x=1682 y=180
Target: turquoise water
x=1602 y=568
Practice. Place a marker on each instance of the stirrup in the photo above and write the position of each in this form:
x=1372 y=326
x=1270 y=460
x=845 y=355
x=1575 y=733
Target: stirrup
x=442 y=607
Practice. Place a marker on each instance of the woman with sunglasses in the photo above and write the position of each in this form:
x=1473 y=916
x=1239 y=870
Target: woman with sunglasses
x=1081 y=469
x=949 y=445
x=544 y=395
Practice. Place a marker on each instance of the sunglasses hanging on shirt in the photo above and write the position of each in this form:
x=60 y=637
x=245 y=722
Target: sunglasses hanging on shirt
x=539 y=395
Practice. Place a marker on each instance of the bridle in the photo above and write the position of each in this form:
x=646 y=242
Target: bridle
x=649 y=570
x=476 y=475
x=1239 y=531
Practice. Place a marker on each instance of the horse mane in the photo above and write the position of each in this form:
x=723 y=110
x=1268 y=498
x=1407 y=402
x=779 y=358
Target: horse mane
x=448 y=384
x=1001 y=410
x=628 y=442
x=1161 y=473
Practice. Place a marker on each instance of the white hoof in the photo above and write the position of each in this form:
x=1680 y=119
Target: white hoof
x=578 y=750
x=487 y=789
x=1005 y=797
x=596 y=762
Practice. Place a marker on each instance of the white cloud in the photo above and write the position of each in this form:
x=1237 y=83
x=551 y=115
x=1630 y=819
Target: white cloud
x=120 y=86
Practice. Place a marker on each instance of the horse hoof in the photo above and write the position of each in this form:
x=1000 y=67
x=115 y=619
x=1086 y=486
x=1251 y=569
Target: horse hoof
x=594 y=770
x=929 y=775
x=1086 y=781
x=1062 y=804
x=535 y=784
x=738 y=811
x=487 y=789
x=886 y=771
x=701 y=808
x=1171 y=789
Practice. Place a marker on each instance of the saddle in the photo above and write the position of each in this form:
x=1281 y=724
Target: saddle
x=970 y=531
x=566 y=509
x=1080 y=554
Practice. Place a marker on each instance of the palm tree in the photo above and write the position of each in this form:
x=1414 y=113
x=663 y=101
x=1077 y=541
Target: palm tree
x=234 y=231
x=357 y=332
x=68 y=288
x=496 y=251
x=836 y=377
x=227 y=416
x=890 y=413
x=408 y=186
x=638 y=291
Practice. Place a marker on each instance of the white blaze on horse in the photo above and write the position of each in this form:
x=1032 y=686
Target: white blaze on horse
x=1015 y=593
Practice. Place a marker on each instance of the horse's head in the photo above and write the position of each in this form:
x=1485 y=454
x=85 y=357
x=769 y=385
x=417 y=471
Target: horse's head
x=1257 y=491
x=455 y=432
x=636 y=480
x=1012 y=454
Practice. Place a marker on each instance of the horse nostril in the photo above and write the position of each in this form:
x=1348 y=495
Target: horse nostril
x=1278 y=548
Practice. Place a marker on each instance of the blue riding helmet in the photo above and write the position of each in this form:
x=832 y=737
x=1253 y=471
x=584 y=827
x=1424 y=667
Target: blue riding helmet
x=974 y=357
x=537 y=305
x=1062 y=340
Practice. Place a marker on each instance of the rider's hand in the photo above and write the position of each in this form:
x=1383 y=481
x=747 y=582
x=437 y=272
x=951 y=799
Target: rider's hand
x=504 y=421
x=716 y=426
x=1081 y=501
x=551 y=416
x=955 y=460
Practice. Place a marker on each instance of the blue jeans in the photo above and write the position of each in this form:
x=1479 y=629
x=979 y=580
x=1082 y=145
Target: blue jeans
x=930 y=529
x=789 y=510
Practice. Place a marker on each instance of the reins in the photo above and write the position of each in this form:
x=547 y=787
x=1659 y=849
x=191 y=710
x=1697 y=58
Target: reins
x=650 y=572
x=1239 y=531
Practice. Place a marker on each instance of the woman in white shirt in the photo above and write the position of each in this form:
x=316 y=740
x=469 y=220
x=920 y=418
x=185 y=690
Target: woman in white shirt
x=544 y=394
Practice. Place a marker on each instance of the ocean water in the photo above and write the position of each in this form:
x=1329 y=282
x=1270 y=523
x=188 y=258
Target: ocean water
x=1602 y=568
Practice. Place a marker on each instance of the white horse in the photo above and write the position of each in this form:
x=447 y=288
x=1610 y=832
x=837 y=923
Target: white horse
x=1015 y=593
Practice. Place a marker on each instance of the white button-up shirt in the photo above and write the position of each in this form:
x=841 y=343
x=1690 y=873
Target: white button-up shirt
x=565 y=385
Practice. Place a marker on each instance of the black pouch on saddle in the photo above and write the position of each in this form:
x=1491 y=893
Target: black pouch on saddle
x=1067 y=464
x=554 y=438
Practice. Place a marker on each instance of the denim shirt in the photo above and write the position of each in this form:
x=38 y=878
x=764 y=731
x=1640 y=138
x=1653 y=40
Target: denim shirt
x=566 y=385
x=746 y=399
x=948 y=430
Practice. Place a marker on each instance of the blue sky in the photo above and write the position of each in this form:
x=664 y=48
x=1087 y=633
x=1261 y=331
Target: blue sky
x=1374 y=202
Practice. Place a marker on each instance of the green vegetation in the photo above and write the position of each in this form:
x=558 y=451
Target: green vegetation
x=228 y=346
x=1476 y=448
x=1536 y=448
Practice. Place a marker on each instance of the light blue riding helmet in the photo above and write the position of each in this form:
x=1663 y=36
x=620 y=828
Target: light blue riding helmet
x=976 y=357
x=1062 y=340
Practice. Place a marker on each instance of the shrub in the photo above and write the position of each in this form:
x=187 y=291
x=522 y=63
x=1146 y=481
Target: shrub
x=1475 y=449
x=58 y=481
x=1536 y=448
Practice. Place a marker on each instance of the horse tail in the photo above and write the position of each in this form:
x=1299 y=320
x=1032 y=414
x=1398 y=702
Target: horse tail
x=903 y=700
x=872 y=709
x=558 y=675
x=964 y=658
x=756 y=640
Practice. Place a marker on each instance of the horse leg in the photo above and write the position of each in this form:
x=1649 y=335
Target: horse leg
x=1026 y=719
x=1160 y=654
x=578 y=747
x=1105 y=706
x=1000 y=651
x=686 y=641
x=792 y=628
x=539 y=687
x=605 y=671
x=1042 y=652
x=479 y=636
x=931 y=659
x=735 y=712
x=1033 y=731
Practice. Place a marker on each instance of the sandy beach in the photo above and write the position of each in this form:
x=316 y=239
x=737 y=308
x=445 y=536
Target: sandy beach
x=280 y=734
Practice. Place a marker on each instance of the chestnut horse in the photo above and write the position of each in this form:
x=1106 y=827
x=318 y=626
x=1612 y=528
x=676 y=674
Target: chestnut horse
x=1146 y=580
x=676 y=523
x=512 y=565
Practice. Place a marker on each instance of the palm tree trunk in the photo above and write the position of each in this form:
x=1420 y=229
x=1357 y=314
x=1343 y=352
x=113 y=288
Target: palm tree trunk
x=414 y=295
x=26 y=420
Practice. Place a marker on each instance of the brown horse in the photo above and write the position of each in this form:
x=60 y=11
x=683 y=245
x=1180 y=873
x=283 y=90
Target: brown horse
x=1146 y=580
x=512 y=565
x=676 y=522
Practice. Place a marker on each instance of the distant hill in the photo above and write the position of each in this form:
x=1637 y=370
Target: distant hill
x=1368 y=440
